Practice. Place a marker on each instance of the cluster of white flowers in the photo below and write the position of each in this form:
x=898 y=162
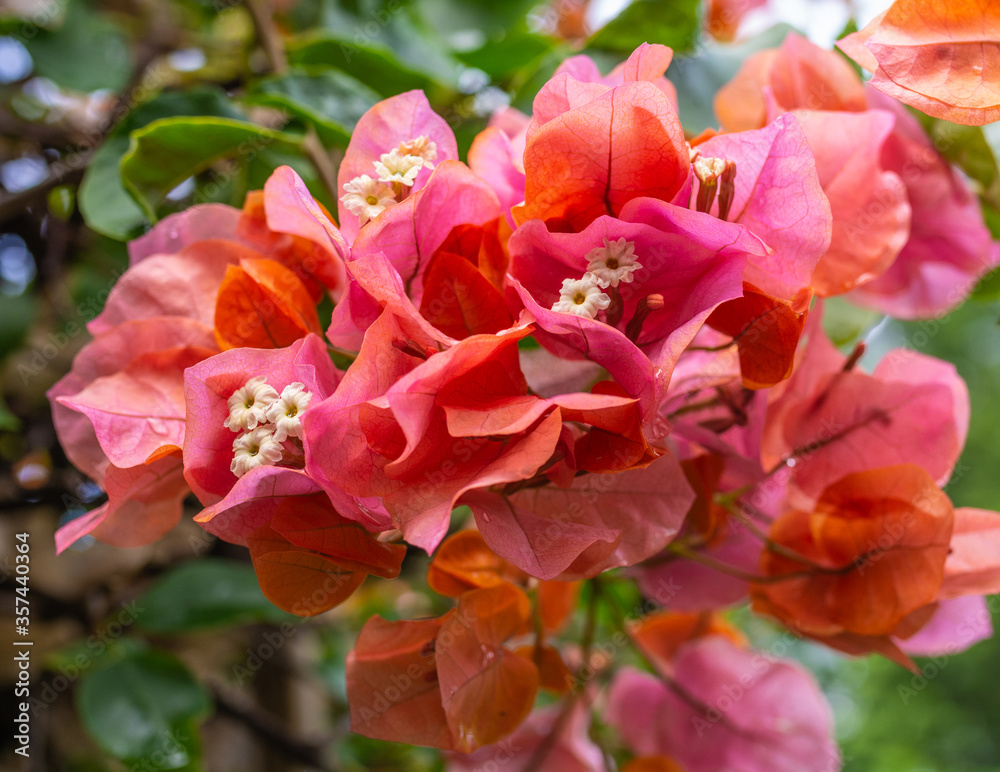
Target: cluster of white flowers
x=266 y=419
x=607 y=266
x=367 y=198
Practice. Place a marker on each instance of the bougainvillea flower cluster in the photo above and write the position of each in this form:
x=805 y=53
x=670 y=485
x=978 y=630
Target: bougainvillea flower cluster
x=597 y=345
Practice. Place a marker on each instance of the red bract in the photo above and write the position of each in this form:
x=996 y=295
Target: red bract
x=591 y=150
x=457 y=421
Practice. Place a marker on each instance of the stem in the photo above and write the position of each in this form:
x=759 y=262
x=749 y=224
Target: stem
x=320 y=160
x=268 y=35
x=773 y=546
x=274 y=47
x=693 y=702
x=681 y=550
x=535 y=763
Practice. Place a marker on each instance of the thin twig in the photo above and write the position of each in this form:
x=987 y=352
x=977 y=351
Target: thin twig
x=268 y=35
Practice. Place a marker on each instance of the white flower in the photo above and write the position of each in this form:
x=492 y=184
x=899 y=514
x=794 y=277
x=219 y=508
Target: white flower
x=248 y=405
x=581 y=297
x=398 y=167
x=421 y=147
x=367 y=198
x=286 y=413
x=255 y=448
x=613 y=263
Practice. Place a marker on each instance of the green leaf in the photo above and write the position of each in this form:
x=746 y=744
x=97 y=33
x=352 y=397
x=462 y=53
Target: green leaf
x=329 y=100
x=166 y=152
x=8 y=421
x=700 y=76
x=86 y=53
x=988 y=288
x=105 y=204
x=505 y=55
x=675 y=24
x=965 y=146
x=844 y=323
x=388 y=51
x=206 y=593
x=144 y=707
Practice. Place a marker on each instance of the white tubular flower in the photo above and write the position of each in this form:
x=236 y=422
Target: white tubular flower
x=613 y=263
x=286 y=413
x=255 y=448
x=422 y=147
x=367 y=198
x=398 y=167
x=248 y=405
x=581 y=297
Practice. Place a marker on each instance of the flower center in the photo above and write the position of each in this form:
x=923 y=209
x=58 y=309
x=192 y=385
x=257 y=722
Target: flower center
x=372 y=200
x=292 y=412
x=580 y=298
x=254 y=450
x=612 y=263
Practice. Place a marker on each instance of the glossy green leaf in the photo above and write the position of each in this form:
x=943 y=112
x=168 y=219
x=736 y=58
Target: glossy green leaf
x=205 y=593
x=85 y=53
x=105 y=204
x=143 y=708
x=503 y=56
x=675 y=24
x=388 y=51
x=329 y=100
x=166 y=152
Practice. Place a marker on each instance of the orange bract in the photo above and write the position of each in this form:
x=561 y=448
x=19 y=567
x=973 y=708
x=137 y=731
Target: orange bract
x=298 y=580
x=553 y=674
x=464 y=562
x=653 y=764
x=309 y=559
x=459 y=300
x=392 y=683
x=941 y=58
x=486 y=690
x=873 y=551
x=262 y=304
x=766 y=330
x=556 y=601
x=661 y=635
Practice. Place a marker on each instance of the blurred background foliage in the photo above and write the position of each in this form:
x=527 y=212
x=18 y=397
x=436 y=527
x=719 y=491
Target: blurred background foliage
x=114 y=113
